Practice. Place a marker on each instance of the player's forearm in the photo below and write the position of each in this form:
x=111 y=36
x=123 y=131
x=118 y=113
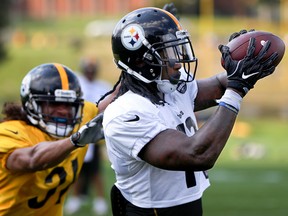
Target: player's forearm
x=48 y=156
x=40 y=156
x=212 y=137
x=209 y=90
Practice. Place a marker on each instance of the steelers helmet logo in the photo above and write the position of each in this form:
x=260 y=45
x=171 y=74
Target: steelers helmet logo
x=132 y=36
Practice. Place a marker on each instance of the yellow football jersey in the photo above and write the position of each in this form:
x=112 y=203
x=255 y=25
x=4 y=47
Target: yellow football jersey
x=42 y=192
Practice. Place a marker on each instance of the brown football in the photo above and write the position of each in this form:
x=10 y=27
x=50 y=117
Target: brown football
x=238 y=46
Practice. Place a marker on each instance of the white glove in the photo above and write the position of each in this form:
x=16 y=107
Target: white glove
x=91 y=132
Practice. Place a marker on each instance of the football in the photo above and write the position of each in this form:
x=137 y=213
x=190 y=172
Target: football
x=238 y=46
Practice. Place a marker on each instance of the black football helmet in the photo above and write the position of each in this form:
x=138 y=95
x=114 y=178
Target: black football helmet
x=52 y=83
x=148 y=39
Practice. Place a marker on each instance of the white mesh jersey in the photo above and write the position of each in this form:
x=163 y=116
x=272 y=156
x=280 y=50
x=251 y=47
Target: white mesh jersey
x=130 y=123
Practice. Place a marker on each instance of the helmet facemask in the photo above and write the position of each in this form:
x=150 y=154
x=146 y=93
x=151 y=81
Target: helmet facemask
x=174 y=50
x=170 y=51
x=55 y=126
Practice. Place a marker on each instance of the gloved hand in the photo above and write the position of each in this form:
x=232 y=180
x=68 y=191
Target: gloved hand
x=243 y=74
x=236 y=34
x=91 y=132
x=170 y=7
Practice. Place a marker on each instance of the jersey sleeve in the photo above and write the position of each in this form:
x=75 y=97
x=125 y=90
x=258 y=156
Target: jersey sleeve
x=131 y=131
x=13 y=135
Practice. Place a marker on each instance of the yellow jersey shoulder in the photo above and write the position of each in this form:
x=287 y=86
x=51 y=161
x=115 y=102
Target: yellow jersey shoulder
x=90 y=110
x=19 y=134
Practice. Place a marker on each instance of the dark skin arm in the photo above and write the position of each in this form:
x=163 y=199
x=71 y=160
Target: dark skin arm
x=210 y=89
x=39 y=157
x=173 y=150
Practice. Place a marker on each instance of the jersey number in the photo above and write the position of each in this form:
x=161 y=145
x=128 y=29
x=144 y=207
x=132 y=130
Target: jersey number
x=61 y=173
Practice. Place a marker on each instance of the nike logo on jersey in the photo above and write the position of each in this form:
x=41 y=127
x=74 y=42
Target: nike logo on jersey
x=15 y=132
x=244 y=76
x=137 y=118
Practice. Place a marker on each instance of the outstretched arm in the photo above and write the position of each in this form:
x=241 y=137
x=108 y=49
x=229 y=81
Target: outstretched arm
x=48 y=154
x=39 y=157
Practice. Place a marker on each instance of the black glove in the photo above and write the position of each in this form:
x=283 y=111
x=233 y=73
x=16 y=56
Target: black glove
x=236 y=34
x=91 y=132
x=243 y=74
x=170 y=7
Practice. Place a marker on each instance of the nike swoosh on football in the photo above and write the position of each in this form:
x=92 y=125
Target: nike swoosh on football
x=15 y=132
x=244 y=76
x=137 y=118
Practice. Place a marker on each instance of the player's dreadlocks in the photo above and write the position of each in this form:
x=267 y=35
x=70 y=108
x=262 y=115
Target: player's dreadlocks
x=146 y=90
x=13 y=111
x=128 y=82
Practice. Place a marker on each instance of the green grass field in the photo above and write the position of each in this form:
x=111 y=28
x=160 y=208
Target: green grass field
x=250 y=177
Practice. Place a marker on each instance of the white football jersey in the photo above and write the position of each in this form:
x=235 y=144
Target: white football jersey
x=129 y=124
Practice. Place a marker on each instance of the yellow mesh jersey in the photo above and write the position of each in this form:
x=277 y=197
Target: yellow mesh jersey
x=37 y=193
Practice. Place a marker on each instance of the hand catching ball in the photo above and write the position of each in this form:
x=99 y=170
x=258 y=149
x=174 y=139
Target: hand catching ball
x=238 y=46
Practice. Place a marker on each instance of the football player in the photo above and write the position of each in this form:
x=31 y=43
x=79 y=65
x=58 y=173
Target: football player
x=159 y=156
x=41 y=146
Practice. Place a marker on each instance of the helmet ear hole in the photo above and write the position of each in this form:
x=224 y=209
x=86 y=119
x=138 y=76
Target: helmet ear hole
x=139 y=63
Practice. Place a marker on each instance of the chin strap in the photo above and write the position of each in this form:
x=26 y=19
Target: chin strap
x=132 y=72
x=168 y=86
x=165 y=86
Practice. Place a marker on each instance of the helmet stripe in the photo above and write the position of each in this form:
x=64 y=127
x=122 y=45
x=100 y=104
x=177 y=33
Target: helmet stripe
x=63 y=76
x=172 y=17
